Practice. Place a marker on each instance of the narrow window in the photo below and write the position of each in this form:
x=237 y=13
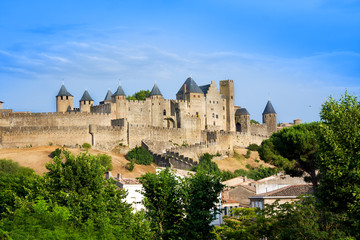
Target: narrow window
x=67 y=97
x=164 y=112
x=61 y=97
x=217 y=116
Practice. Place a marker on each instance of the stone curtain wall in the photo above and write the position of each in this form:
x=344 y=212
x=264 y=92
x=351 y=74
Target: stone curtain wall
x=54 y=119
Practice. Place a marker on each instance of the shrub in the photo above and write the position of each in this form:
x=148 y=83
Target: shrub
x=106 y=161
x=248 y=154
x=253 y=147
x=56 y=153
x=86 y=146
x=131 y=165
x=140 y=155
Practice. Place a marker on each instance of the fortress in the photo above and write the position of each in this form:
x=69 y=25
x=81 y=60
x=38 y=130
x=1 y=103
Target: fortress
x=201 y=119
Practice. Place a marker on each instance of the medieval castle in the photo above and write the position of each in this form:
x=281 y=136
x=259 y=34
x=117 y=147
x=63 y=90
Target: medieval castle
x=201 y=119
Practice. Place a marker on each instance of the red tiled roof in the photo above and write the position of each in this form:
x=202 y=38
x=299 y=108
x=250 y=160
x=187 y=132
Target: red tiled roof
x=292 y=190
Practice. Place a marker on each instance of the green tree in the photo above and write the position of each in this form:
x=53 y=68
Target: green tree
x=163 y=203
x=294 y=150
x=201 y=195
x=181 y=208
x=140 y=155
x=206 y=164
x=141 y=95
x=287 y=221
x=339 y=164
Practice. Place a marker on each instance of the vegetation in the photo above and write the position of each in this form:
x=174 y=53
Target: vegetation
x=180 y=208
x=140 y=155
x=253 y=147
x=294 y=150
x=72 y=201
x=254 y=121
x=141 y=95
x=86 y=146
x=292 y=221
x=339 y=154
x=207 y=165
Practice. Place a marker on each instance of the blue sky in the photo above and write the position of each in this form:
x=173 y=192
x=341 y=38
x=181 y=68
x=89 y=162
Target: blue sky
x=295 y=53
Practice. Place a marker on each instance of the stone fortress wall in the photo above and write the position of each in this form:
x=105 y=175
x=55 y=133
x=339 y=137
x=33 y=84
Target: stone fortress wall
x=201 y=119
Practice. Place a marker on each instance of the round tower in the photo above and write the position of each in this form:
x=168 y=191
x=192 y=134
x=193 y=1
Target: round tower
x=242 y=120
x=156 y=106
x=86 y=102
x=64 y=100
x=119 y=98
x=269 y=117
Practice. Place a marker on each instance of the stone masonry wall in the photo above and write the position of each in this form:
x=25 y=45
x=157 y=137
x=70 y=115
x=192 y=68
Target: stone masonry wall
x=54 y=119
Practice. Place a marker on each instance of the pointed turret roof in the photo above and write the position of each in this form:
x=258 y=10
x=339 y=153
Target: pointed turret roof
x=63 y=92
x=155 y=91
x=191 y=87
x=108 y=96
x=241 y=111
x=86 y=97
x=269 y=108
x=119 y=92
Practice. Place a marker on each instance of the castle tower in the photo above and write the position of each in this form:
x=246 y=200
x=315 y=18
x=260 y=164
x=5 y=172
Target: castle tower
x=156 y=106
x=189 y=91
x=64 y=100
x=107 y=98
x=194 y=96
x=242 y=120
x=119 y=98
x=269 y=117
x=86 y=102
x=227 y=89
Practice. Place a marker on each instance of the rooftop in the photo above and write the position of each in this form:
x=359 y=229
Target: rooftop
x=292 y=190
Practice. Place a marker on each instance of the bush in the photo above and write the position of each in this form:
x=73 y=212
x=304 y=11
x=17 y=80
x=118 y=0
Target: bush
x=56 y=153
x=140 y=155
x=253 y=147
x=106 y=161
x=86 y=146
x=131 y=165
x=248 y=154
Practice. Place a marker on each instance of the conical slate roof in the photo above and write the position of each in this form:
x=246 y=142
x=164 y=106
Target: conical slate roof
x=241 y=111
x=108 y=96
x=119 y=92
x=269 y=108
x=191 y=87
x=86 y=97
x=63 y=92
x=155 y=91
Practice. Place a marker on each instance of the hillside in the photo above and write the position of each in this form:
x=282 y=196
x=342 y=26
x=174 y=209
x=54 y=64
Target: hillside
x=37 y=157
x=238 y=160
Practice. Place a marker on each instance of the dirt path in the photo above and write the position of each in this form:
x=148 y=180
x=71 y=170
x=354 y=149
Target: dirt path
x=37 y=157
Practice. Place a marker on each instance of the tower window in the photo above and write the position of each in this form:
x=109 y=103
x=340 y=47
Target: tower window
x=217 y=116
x=67 y=97
x=61 y=97
x=232 y=97
x=164 y=112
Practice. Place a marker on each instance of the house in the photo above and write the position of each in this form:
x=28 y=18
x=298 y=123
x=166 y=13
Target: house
x=134 y=196
x=286 y=194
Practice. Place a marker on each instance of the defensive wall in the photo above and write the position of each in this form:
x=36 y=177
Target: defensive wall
x=54 y=119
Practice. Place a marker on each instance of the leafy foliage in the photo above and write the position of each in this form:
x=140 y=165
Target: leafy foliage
x=180 y=208
x=106 y=161
x=72 y=201
x=253 y=147
x=86 y=146
x=254 y=121
x=293 y=150
x=140 y=155
x=339 y=162
x=294 y=220
x=56 y=152
x=141 y=95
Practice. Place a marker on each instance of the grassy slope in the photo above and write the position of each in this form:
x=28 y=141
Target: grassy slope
x=37 y=157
